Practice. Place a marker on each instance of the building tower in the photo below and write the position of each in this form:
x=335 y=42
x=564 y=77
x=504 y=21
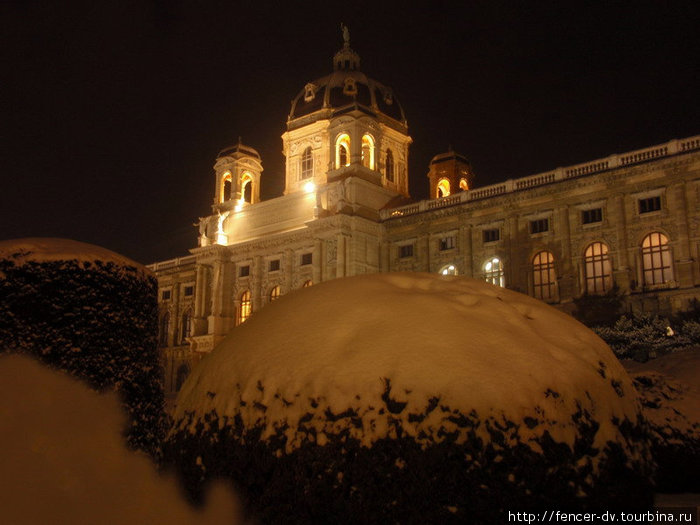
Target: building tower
x=449 y=173
x=237 y=170
x=346 y=125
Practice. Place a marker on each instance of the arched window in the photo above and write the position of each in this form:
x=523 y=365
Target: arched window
x=463 y=184
x=544 y=278
x=164 y=328
x=225 y=194
x=247 y=187
x=449 y=269
x=597 y=268
x=493 y=272
x=307 y=283
x=443 y=188
x=182 y=372
x=275 y=293
x=342 y=151
x=389 y=166
x=244 y=308
x=307 y=164
x=186 y=326
x=368 y=152
x=656 y=259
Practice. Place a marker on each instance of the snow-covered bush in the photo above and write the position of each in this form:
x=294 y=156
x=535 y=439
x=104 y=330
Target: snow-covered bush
x=672 y=409
x=643 y=336
x=392 y=397
x=90 y=312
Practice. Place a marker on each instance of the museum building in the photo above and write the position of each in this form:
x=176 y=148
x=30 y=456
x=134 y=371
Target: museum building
x=629 y=222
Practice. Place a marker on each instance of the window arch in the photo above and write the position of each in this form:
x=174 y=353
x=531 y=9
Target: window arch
x=186 y=326
x=389 y=166
x=544 y=277
x=597 y=268
x=307 y=283
x=307 y=164
x=164 y=328
x=448 y=269
x=342 y=151
x=225 y=190
x=247 y=187
x=656 y=259
x=245 y=308
x=275 y=293
x=463 y=184
x=493 y=272
x=368 y=152
x=443 y=188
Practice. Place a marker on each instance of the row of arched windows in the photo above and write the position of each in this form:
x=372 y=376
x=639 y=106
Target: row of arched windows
x=227 y=187
x=245 y=306
x=342 y=155
x=597 y=268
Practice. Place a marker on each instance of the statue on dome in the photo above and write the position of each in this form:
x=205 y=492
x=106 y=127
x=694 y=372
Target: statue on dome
x=346 y=34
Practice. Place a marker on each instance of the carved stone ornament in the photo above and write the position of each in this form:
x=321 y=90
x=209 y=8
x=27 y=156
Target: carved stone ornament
x=310 y=90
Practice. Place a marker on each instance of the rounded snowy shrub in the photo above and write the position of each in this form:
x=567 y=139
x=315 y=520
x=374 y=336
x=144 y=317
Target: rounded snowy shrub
x=90 y=312
x=397 y=398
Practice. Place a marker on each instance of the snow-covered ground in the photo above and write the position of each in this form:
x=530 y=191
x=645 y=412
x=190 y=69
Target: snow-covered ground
x=64 y=461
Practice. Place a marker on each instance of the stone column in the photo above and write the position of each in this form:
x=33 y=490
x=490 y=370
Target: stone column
x=340 y=266
x=317 y=259
x=678 y=206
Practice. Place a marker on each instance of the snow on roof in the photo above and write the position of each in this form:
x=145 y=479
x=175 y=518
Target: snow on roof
x=65 y=462
x=54 y=249
x=472 y=345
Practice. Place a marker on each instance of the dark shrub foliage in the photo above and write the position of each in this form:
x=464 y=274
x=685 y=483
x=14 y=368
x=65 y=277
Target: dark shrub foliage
x=95 y=320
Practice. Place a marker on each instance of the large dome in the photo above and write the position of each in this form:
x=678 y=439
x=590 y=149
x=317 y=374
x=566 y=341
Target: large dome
x=346 y=89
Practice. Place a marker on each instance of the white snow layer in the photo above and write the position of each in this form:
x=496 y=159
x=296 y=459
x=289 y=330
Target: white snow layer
x=54 y=249
x=64 y=461
x=474 y=346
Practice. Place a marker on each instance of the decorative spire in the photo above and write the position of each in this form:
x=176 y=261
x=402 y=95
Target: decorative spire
x=346 y=59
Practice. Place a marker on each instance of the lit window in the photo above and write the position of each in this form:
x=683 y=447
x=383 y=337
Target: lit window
x=306 y=258
x=463 y=184
x=389 y=166
x=447 y=243
x=650 y=204
x=244 y=308
x=368 y=152
x=307 y=283
x=164 y=329
x=406 y=251
x=225 y=194
x=307 y=164
x=656 y=259
x=543 y=276
x=342 y=151
x=443 y=188
x=597 y=268
x=275 y=293
x=492 y=235
x=274 y=265
x=244 y=271
x=247 y=187
x=188 y=291
x=591 y=216
x=493 y=272
x=186 y=327
x=450 y=269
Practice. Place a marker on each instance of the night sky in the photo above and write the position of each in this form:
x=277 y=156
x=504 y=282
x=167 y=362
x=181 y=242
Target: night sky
x=113 y=112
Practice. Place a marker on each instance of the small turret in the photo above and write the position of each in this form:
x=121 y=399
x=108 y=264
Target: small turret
x=449 y=173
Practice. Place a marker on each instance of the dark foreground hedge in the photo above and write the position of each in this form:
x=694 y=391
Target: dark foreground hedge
x=94 y=320
x=398 y=481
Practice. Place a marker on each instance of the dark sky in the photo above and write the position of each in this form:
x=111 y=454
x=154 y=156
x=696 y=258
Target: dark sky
x=113 y=112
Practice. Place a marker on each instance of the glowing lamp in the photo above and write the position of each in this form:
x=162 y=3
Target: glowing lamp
x=309 y=187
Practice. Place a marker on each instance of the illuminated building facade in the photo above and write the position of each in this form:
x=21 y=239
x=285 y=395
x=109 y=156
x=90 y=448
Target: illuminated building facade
x=629 y=221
